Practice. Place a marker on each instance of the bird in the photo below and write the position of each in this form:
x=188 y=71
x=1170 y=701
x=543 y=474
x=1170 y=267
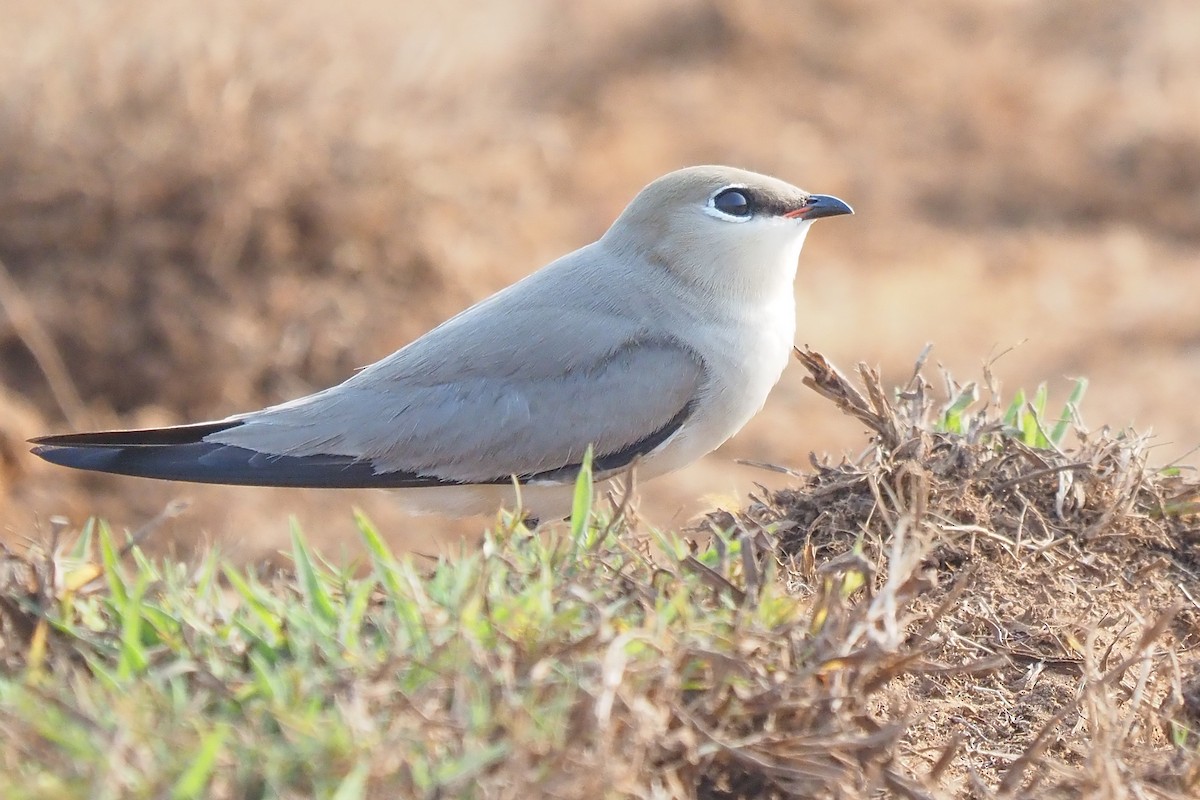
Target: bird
x=652 y=345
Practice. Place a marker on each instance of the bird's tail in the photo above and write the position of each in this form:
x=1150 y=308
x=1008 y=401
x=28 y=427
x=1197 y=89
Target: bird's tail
x=180 y=453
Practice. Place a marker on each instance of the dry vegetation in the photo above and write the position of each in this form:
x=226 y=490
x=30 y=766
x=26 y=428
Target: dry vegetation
x=965 y=610
x=1055 y=602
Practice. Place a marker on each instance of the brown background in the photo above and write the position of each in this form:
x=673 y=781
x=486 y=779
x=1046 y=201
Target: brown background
x=206 y=207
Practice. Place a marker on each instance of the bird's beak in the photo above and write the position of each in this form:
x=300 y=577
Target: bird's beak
x=820 y=205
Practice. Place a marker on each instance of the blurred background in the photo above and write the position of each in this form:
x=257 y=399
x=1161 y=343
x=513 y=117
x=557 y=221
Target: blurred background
x=207 y=207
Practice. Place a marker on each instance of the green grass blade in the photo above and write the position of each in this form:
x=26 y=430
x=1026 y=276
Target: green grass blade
x=206 y=573
x=1069 y=412
x=1013 y=415
x=1077 y=392
x=315 y=595
x=82 y=549
x=357 y=602
x=1029 y=426
x=581 y=506
x=952 y=417
x=1035 y=412
x=133 y=659
x=195 y=778
x=254 y=599
x=469 y=765
x=382 y=559
x=117 y=582
x=354 y=785
x=371 y=538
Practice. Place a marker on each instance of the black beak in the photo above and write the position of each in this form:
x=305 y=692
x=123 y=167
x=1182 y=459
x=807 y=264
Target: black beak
x=820 y=205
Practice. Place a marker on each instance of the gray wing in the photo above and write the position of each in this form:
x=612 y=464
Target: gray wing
x=624 y=401
x=520 y=385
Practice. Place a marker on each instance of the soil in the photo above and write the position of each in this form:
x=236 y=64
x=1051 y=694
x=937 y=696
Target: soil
x=205 y=208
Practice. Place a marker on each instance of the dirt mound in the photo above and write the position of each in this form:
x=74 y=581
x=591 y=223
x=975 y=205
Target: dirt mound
x=1045 y=592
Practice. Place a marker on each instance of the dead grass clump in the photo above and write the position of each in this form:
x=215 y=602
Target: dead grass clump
x=1064 y=573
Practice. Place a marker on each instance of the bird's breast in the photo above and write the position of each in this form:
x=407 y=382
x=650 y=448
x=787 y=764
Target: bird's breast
x=755 y=355
x=744 y=356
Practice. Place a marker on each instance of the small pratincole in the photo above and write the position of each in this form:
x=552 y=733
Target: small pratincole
x=655 y=343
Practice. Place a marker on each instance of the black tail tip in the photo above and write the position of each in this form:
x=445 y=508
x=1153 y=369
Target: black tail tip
x=62 y=456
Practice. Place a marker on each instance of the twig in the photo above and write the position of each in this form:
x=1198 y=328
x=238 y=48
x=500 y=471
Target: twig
x=173 y=509
x=35 y=338
x=1038 y=473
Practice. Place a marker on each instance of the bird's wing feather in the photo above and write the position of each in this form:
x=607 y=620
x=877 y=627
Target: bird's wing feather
x=519 y=385
x=624 y=402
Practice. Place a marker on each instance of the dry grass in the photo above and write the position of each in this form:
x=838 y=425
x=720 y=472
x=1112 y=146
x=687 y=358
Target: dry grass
x=955 y=613
x=1060 y=596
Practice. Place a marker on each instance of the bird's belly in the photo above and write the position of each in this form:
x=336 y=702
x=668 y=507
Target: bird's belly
x=743 y=372
x=541 y=501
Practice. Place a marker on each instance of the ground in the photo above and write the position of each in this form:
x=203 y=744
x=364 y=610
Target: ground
x=204 y=209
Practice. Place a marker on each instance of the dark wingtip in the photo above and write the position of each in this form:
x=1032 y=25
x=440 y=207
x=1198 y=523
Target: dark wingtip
x=139 y=437
x=210 y=462
x=180 y=453
x=62 y=456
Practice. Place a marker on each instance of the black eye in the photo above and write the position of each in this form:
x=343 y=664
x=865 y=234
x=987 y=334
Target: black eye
x=734 y=202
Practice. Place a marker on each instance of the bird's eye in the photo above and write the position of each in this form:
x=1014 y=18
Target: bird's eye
x=734 y=202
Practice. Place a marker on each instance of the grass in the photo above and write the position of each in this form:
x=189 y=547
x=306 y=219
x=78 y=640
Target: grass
x=163 y=679
x=958 y=612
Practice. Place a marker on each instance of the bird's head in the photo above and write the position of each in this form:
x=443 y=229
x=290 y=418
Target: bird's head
x=723 y=227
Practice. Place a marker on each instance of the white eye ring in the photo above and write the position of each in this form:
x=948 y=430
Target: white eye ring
x=712 y=209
